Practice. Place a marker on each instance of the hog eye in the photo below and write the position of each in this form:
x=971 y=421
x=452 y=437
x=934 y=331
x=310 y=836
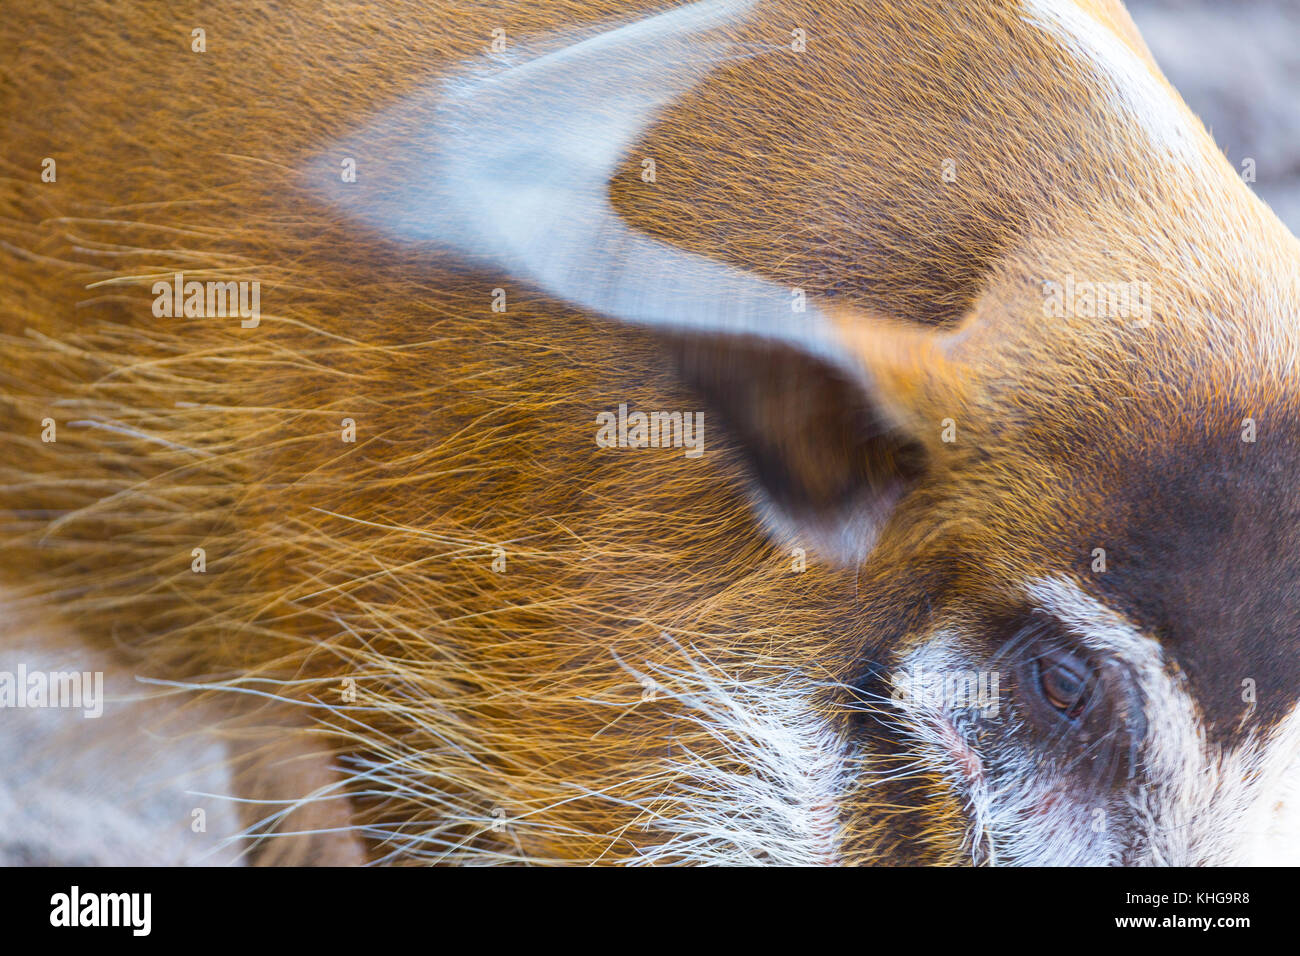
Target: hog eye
x=1066 y=681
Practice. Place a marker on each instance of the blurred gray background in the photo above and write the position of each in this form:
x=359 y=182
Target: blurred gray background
x=1237 y=64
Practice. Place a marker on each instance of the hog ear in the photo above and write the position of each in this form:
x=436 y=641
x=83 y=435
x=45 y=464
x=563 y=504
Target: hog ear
x=508 y=168
x=831 y=446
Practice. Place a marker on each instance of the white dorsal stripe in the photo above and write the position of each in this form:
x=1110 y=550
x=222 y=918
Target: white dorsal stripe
x=1132 y=88
x=513 y=171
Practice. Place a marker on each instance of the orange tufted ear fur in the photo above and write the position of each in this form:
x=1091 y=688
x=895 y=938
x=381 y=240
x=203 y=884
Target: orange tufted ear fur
x=832 y=446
